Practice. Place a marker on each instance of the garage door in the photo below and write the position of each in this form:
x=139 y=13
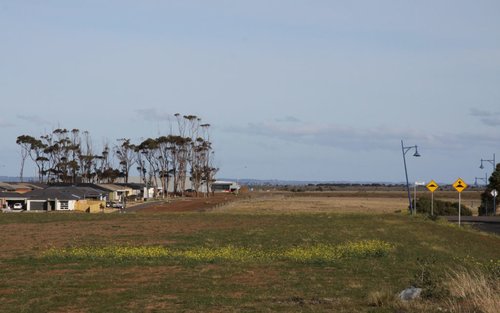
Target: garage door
x=37 y=206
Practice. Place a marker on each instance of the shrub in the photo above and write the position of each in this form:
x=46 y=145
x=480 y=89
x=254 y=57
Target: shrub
x=427 y=279
x=441 y=207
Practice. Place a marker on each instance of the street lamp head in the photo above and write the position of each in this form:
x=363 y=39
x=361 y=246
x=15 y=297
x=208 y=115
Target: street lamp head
x=416 y=154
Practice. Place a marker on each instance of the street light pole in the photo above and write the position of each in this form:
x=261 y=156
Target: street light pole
x=404 y=150
x=493 y=163
x=485 y=179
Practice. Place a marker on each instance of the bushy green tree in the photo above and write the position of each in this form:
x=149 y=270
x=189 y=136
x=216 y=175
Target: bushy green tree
x=486 y=197
x=441 y=207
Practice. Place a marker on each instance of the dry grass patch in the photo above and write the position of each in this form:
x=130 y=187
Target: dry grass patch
x=472 y=291
x=281 y=204
x=381 y=298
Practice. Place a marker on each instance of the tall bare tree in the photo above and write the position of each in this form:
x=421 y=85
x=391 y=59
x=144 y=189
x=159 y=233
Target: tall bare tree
x=25 y=142
x=125 y=153
x=68 y=156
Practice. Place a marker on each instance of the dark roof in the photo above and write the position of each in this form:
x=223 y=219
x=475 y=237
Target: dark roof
x=81 y=192
x=136 y=186
x=64 y=193
x=12 y=195
x=90 y=185
x=50 y=194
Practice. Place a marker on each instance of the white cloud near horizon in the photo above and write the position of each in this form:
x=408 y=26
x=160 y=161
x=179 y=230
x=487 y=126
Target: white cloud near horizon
x=33 y=119
x=154 y=115
x=4 y=123
x=489 y=118
x=364 y=139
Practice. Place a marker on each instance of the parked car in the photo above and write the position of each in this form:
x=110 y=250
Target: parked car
x=17 y=206
x=118 y=205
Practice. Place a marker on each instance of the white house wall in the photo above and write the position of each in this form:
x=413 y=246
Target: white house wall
x=189 y=185
x=71 y=206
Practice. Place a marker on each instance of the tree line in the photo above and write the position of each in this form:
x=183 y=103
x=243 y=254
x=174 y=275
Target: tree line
x=69 y=156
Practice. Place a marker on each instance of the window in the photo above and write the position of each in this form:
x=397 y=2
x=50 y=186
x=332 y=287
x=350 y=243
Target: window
x=64 y=205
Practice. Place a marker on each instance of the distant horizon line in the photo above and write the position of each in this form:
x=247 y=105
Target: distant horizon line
x=276 y=181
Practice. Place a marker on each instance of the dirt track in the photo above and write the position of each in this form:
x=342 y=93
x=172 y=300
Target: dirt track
x=189 y=204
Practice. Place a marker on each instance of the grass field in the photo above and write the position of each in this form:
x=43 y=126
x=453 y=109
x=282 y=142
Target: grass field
x=263 y=255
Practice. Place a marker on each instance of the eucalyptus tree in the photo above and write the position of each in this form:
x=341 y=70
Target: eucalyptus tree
x=61 y=154
x=87 y=158
x=102 y=165
x=125 y=152
x=50 y=154
x=149 y=150
x=25 y=142
x=38 y=157
x=165 y=146
x=207 y=159
x=68 y=156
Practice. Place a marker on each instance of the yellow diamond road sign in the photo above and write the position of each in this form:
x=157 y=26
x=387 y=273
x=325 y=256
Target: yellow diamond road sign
x=432 y=186
x=459 y=185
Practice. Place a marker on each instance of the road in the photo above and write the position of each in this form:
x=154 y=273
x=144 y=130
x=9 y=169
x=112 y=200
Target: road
x=485 y=223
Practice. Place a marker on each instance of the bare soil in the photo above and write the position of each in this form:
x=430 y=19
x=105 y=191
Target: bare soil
x=187 y=204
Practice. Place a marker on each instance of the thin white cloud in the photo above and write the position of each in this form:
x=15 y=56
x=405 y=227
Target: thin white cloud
x=489 y=118
x=364 y=139
x=491 y=121
x=479 y=112
x=5 y=124
x=152 y=114
x=33 y=119
x=288 y=119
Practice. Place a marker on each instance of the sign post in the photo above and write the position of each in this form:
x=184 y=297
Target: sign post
x=494 y=193
x=415 y=195
x=459 y=186
x=432 y=186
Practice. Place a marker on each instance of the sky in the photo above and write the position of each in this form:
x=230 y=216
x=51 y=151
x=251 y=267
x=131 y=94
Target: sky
x=318 y=90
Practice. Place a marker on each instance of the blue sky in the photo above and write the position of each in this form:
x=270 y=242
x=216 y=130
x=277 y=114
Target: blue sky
x=303 y=90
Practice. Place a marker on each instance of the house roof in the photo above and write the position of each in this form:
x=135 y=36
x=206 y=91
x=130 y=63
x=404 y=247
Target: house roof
x=7 y=187
x=12 y=195
x=80 y=192
x=50 y=194
x=136 y=186
x=113 y=187
x=28 y=185
x=101 y=187
x=223 y=182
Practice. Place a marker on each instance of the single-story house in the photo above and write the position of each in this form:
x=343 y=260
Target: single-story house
x=66 y=198
x=50 y=199
x=116 y=193
x=136 y=189
x=225 y=186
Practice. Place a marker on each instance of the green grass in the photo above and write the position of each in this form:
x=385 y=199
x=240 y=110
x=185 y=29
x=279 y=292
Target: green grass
x=33 y=281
